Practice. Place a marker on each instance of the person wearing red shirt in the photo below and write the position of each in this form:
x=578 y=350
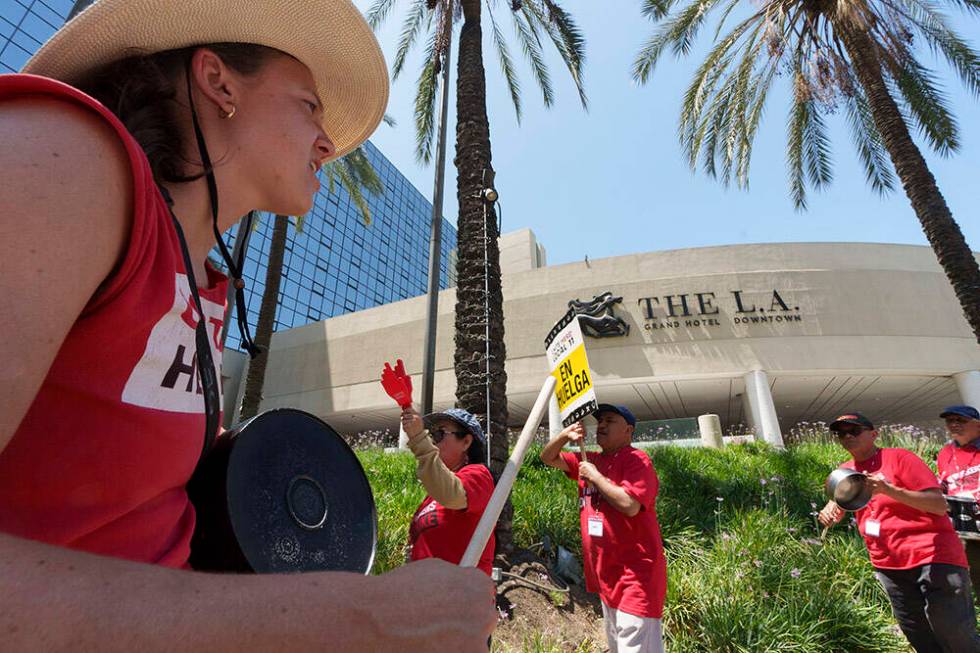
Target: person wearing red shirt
x=918 y=558
x=621 y=547
x=450 y=449
x=130 y=141
x=958 y=464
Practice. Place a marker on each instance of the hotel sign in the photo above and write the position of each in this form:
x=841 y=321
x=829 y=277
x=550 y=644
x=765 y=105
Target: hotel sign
x=703 y=309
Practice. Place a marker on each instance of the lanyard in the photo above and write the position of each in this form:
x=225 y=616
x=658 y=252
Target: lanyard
x=205 y=361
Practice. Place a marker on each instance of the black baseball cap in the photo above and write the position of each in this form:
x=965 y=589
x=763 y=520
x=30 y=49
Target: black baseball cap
x=962 y=410
x=852 y=418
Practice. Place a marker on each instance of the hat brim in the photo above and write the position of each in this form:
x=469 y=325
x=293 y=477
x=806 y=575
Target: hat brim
x=852 y=422
x=611 y=408
x=947 y=413
x=431 y=417
x=330 y=37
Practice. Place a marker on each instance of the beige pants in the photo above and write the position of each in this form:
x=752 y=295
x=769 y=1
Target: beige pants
x=627 y=633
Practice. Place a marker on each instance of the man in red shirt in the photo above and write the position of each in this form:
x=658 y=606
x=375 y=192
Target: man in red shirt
x=621 y=548
x=959 y=469
x=918 y=558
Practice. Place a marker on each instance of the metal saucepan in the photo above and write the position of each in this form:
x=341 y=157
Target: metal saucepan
x=848 y=488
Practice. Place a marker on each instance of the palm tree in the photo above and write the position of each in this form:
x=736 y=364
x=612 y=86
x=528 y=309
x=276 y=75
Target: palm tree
x=356 y=174
x=479 y=338
x=855 y=54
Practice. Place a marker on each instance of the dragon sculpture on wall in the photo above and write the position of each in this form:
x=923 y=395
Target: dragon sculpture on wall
x=597 y=317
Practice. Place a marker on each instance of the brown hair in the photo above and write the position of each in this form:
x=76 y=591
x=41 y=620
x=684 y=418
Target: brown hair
x=142 y=91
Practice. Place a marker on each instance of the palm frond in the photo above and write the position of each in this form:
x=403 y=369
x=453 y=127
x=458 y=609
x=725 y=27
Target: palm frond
x=531 y=44
x=795 y=150
x=700 y=101
x=808 y=152
x=740 y=101
x=410 y=31
x=566 y=37
x=732 y=4
x=355 y=174
x=931 y=23
x=758 y=92
x=694 y=127
x=928 y=106
x=679 y=31
x=506 y=64
x=867 y=141
x=378 y=12
x=656 y=9
x=425 y=104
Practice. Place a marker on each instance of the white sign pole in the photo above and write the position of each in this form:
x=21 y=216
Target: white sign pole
x=489 y=519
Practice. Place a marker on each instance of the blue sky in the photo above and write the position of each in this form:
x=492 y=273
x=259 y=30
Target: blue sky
x=612 y=180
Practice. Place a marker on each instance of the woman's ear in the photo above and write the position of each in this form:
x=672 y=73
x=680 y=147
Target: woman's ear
x=213 y=79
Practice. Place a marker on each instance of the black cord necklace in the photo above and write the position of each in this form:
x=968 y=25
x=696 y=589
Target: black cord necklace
x=205 y=360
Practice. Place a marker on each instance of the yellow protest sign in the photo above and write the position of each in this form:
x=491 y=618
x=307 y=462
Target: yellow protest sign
x=569 y=365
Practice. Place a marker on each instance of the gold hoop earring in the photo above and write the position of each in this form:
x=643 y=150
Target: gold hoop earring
x=228 y=114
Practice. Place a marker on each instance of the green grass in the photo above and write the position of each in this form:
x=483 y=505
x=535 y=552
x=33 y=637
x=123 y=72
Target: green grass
x=746 y=569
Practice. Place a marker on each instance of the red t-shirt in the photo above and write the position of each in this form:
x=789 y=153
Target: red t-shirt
x=438 y=532
x=625 y=564
x=907 y=537
x=100 y=460
x=959 y=469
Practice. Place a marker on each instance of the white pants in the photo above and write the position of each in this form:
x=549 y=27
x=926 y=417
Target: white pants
x=627 y=633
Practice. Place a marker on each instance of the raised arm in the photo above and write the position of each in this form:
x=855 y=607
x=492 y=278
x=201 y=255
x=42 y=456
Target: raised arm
x=439 y=481
x=551 y=454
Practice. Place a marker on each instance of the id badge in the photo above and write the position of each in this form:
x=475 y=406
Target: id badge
x=872 y=528
x=595 y=526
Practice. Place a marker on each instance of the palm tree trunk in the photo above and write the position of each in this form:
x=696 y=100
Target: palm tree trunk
x=928 y=203
x=255 y=378
x=479 y=260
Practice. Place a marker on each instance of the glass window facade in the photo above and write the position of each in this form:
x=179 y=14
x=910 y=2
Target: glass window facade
x=24 y=26
x=337 y=264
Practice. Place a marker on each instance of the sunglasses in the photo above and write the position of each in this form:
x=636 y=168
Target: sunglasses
x=439 y=434
x=849 y=431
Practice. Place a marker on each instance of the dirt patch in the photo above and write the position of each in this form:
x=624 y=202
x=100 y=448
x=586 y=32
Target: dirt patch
x=542 y=619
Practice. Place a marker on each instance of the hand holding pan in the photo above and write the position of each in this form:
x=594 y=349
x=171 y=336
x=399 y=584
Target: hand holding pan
x=397 y=384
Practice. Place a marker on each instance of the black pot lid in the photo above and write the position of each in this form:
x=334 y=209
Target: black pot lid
x=298 y=498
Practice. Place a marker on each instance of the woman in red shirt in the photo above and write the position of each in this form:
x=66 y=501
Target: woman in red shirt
x=145 y=129
x=451 y=450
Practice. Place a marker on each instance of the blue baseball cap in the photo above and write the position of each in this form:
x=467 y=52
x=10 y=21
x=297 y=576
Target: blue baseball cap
x=461 y=417
x=625 y=412
x=961 y=410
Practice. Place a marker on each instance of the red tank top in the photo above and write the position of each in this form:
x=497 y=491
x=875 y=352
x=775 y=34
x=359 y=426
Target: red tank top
x=100 y=460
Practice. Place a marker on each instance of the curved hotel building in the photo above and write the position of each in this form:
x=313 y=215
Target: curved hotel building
x=765 y=336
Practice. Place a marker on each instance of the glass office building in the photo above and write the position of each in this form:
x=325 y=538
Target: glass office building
x=25 y=25
x=337 y=264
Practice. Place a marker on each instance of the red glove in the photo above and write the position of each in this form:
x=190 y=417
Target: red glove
x=397 y=384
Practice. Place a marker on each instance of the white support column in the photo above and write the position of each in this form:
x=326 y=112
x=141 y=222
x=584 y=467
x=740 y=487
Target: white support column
x=762 y=415
x=710 y=428
x=968 y=383
x=554 y=418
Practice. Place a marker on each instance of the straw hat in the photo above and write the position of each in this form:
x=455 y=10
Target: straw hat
x=329 y=36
